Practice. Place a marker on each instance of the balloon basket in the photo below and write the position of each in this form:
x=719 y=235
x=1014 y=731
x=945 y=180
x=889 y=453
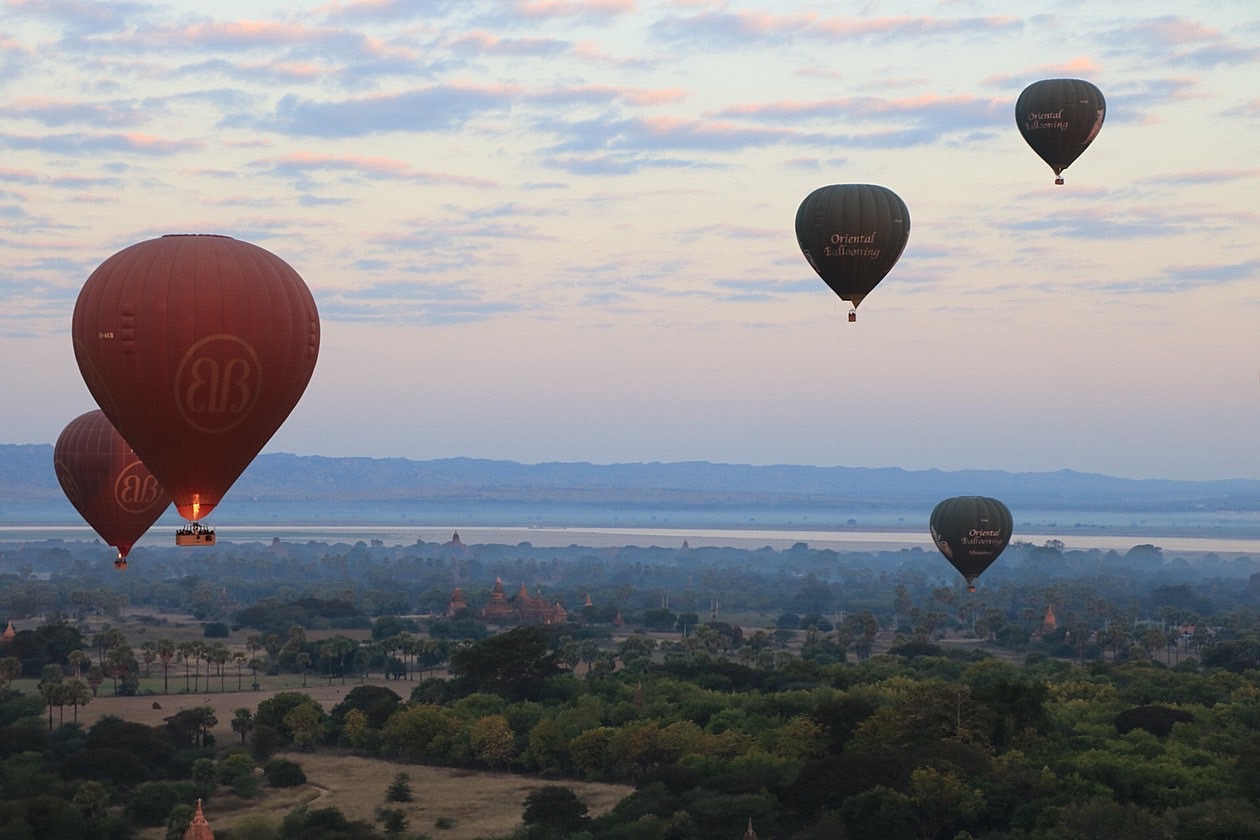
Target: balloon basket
x=1059 y=181
x=852 y=316
x=194 y=534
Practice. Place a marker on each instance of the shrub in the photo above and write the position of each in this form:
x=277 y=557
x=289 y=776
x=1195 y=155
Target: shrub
x=280 y=772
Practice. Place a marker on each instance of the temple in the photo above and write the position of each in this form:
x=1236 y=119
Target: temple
x=199 y=828
x=521 y=609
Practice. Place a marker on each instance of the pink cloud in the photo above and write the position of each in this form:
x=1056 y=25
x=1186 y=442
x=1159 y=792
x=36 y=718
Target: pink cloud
x=903 y=25
x=866 y=106
x=254 y=32
x=310 y=160
x=149 y=143
x=1075 y=68
x=1210 y=176
x=487 y=42
x=295 y=70
x=1172 y=31
x=304 y=161
x=574 y=8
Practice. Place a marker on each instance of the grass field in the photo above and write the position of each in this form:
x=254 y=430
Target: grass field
x=472 y=805
x=448 y=803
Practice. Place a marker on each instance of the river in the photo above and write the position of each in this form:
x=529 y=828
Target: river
x=551 y=537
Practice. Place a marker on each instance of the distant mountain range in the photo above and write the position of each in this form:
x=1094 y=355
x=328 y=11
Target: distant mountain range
x=284 y=485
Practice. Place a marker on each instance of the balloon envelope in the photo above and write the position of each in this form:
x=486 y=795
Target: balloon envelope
x=1059 y=118
x=196 y=348
x=107 y=484
x=971 y=531
x=852 y=235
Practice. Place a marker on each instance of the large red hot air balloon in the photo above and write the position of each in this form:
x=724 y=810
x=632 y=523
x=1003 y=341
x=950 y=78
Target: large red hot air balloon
x=197 y=348
x=108 y=485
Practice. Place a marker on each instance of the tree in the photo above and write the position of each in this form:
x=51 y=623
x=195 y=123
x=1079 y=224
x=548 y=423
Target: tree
x=493 y=742
x=192 y=726
x=50 y=689
x=95 y=677
x=553 y=811
x=273 y=711
x=92 y=800
x=178 y=820
x=188 y=654
x=281 y=772
x=514 y=665
x=376 y=702
x=78 y=661
x=165 y=653
x=243 y=723
x=399 y=789
x=392 y=820
x=148 y=655
x=77 y=693
x=10 y=670
x=107 y=640
x=121 y=665
x=306 y=722
x=941 y=799
x=218 y=655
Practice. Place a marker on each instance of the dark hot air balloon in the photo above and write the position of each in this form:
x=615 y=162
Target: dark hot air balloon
x=107 y=484
x=197 y=348
x=1059 y=118
x=971 y=531
x=852 y=235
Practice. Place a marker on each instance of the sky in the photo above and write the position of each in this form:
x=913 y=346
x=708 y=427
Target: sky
x=562 y=230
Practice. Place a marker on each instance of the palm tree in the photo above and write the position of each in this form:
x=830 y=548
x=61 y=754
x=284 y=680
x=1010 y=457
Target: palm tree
x=148 y=653
x=344 y=649
x=78 y=660
x=202 y=654
x=166 y=652
x=218 y=655
x=50 y=689
x=187 y=650
x=243 y=723
x=239 y=657
x=78 y=694
x=303 y=662
x=107 y=640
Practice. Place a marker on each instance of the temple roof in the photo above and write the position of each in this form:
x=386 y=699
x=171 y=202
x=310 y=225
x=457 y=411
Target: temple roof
x=199 y=828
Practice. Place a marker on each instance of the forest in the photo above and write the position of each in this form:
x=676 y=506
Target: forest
x=819 y=694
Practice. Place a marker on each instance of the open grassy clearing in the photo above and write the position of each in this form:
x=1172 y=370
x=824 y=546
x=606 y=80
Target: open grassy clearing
x=472 y=804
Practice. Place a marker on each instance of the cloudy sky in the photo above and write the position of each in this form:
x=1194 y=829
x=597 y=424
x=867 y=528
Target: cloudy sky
x=562 y=230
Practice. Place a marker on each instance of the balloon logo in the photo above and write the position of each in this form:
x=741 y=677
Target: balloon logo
x=1059 y=118
x=971 y=531
x=107 y=484
x=218 y=382
x=852 y=235
x=196 y=348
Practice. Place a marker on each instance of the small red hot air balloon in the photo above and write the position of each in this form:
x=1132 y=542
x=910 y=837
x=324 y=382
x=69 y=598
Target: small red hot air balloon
x=108 y=485
x=197 y=348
